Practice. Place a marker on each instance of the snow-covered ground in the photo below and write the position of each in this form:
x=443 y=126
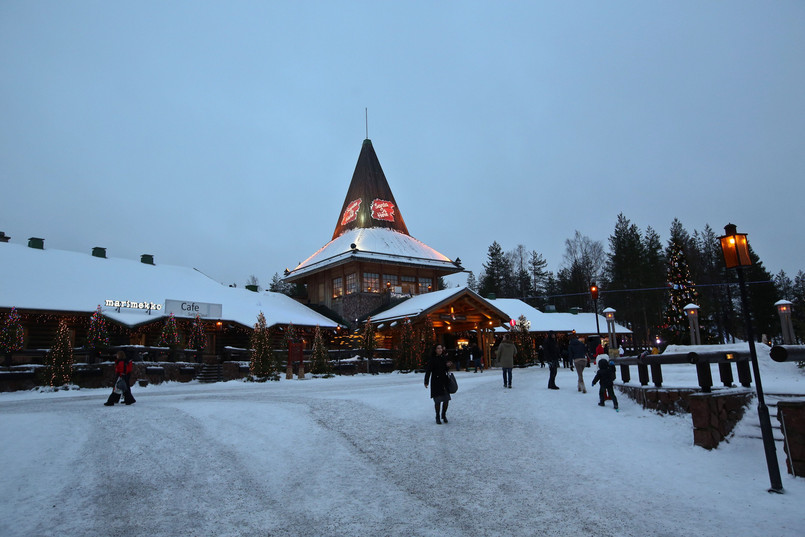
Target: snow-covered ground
x=363 y=456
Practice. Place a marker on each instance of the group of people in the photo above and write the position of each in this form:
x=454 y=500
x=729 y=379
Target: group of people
x=438 y=367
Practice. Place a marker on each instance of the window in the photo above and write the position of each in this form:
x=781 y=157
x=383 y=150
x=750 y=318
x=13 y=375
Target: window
x=408 y=285
x=338 y=287
x=390 y=281
x=352 y=283
x=425 y=285
x=371 y=282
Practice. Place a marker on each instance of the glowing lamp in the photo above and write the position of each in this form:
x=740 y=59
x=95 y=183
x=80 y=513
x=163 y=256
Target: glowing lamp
x=735 y=247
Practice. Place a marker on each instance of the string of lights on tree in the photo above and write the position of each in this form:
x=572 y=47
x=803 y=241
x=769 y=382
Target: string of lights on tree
x=681 y=293
x=321 y=359
x=197 y=338
x=59 y=361
x=12 y=333
x=170 y=334
x=262 y=363
x=97 y=334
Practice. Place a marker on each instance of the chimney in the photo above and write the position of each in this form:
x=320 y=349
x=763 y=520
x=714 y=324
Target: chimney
x=252 y=288
x=36 y=242
x=4 y=237
x=148 y=259
x=97 y=251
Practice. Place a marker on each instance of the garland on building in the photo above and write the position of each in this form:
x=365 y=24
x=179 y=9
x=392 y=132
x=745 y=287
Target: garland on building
x=59 y=361
x=11 y=335
x=407 y=352
x=262 y=365
x=681 y=293
x=290 y=335
x=97 y=333
x=197 y=338
x=170 y=334
x=321 y=359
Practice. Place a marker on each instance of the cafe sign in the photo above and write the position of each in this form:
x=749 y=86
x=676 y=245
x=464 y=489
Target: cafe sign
x=189 y=308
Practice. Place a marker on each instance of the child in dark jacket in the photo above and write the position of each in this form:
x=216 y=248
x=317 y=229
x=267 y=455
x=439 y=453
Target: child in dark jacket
x=606 y=375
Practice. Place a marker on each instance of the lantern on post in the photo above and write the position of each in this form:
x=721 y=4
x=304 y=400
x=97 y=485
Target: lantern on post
x=594 y=296
x=736 y=255
x=609 y=315
x=784 y=309
x=692 y=311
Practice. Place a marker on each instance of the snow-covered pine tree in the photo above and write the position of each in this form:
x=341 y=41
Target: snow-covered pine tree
x=11 y=335
x=59 y=361
x=523 y=341
x=321 y=358
x=262 y=364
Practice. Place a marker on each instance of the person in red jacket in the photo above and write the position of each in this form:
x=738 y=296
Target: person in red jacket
x=123 y=368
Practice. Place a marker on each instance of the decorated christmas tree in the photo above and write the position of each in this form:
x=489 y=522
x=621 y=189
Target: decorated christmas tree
x=11 y=335
x=523 y=341
x=368 y=342
x=59 y=361
x=170 y=334
x=262 y=365
x=321 y=358
x=97 y=334
x=681 y=292
x=427 y=341
x=197 y=338
x=407 y=351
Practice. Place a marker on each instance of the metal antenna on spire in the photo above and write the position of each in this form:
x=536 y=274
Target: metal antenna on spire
x=366 y=111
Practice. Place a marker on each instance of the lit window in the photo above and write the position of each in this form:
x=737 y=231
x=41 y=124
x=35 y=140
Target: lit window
x=352 y=283
x=338 y=287
x=425 y=285
x=371 y=282
x=408 y=285
x=390 y=281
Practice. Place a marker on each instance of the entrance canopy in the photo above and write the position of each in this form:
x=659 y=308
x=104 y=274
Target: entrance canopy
x=455 y=310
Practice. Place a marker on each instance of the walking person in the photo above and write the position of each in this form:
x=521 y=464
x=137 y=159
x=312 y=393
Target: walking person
x=477 y=357
x=123 y=369
x=436 y=376
x=551 y=351
x=606 y=375
x=505 y=354
x=578 y=353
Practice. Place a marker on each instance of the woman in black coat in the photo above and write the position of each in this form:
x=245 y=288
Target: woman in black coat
x=436 y=375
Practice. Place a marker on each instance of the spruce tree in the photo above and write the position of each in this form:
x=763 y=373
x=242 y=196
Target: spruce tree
x=97 y=334
x=368 y=341
x=321 y=359
x=681 y=292
x=11 y=335
x=406 y=352
x=262 y=365
x=59 y=361
x=524 y=342
x=170 y=336
x=197 y=339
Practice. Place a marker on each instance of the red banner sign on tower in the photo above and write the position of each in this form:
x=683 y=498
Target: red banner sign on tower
x=383 y=210
x=351 y=212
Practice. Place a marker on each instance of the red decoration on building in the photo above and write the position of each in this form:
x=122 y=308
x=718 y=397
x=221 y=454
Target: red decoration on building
x=383 y=210
x=351 y=212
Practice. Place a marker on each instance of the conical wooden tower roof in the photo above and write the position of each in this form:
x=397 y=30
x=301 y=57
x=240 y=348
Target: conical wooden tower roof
x=369 y=202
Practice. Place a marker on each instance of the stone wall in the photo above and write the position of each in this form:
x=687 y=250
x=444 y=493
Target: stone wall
x=665 y=400
x=716 y=414
x=791 y=415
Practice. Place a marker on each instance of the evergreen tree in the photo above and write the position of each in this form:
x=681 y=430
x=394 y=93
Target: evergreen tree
x=197 y=339
x=798 y=309
x=59 y=361
x=406 y=352
x=170 y=336
x=537 y=268
x=97 y=334
x=625 y=271
x=11 y=335
x=524 y=342
x=709 y=274
x=496 y=272
x=519 y=285
x=289 y=337
x=278 y=285
x=368 y=341
x=427 y=342
x=762 y=296
x=472 y=282
x=262 y=363
x=321 y=358
x=654 y=272
x=784 y=286
x=681 y=291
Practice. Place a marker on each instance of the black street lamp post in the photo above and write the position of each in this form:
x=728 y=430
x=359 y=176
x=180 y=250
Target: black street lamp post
x=736 y=255
x=594 y=296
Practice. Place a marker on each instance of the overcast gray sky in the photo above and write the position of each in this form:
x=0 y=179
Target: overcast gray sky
x=223 y=135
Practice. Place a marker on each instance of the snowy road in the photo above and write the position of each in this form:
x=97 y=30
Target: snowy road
x=363 y=456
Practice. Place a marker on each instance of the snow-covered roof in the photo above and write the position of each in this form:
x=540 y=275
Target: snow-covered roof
x=582 y=323
x=374 y=244
x=416 y=305
x=58 y=280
